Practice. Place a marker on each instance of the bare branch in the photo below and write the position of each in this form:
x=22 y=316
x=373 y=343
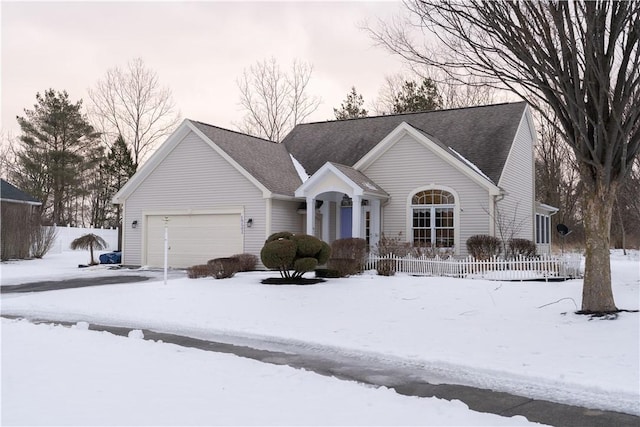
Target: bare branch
x=275 y=101
x=132 y=103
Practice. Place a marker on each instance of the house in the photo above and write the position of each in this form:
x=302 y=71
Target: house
x=433 y=178
x=18 y=210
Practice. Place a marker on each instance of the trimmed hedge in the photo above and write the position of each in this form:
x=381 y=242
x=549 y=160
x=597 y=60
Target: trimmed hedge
x=482 y=246
x=524 y=247
x=197 y=271
x=286 y=251
x=246 y=262
x=223 y=268
x=348 y=256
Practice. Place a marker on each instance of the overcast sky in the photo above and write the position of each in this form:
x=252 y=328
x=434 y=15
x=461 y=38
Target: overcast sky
x=198 y=49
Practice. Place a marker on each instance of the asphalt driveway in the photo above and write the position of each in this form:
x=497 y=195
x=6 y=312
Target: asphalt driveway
x=52 y=285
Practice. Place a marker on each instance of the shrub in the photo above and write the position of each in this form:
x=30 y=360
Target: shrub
x=197 y=271
x=307 y=246
x=223 y=268
x=279 y=254
x=43 y=239
x=345 y=266
x=327 y=273
x=324 y=254
x=524 y=247
x=348 y=255
x=246 y=262
x=305 y=264
x=390 y=246
x=482 y=246
x=393 y=246
x=301 y=253
x=385 y=267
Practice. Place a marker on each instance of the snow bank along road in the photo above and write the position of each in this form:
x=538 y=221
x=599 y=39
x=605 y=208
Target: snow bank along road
x=404 y=377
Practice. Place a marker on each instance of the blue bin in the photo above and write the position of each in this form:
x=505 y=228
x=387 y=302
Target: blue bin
x=111 y=258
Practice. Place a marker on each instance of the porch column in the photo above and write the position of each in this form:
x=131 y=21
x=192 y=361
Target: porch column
x=356 y=216
x=311 y=216
x=376 y=214
x=324 y=210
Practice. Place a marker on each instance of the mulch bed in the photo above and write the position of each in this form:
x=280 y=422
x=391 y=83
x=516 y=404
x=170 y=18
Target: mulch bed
x=287 y=281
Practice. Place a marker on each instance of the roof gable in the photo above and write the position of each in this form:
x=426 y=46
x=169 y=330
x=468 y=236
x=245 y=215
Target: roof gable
x=11 y=193
x=483 y=135
x=358 y=182
x=266 y=164
x=437 y=147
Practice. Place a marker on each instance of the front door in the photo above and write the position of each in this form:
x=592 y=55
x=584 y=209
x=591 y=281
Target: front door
x=345 y=222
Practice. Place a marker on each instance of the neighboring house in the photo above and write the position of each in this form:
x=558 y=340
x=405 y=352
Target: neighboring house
x=433 y=178
x=18 y=210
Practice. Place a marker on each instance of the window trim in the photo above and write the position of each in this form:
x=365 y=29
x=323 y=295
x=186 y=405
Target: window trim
x=455 y=206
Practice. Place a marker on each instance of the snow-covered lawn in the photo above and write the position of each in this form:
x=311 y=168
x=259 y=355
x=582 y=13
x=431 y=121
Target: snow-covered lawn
x=60 y=376
x=519 y=337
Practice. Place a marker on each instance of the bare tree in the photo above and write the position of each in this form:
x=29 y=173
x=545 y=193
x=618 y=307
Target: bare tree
x=7 y=155
x=579 y=59
x=132 y=103
x=275 y=101
x=557 y=179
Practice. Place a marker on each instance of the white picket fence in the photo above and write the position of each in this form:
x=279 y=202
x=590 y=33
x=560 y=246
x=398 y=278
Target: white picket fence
x=65 y=235
x=521 y=268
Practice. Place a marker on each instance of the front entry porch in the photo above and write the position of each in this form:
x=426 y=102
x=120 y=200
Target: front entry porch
x=355 y=200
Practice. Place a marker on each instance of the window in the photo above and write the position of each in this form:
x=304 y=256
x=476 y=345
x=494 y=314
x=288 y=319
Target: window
x=543 y=229
x=433 y=220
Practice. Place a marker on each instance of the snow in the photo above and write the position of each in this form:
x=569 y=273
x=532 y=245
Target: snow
x=518 y=337
x=302 y=173
x=80 y=377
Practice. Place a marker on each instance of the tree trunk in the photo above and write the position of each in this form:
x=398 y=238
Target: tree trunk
x=597 y=295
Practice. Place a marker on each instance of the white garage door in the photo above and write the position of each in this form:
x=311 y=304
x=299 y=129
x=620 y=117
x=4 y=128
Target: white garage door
x=193 y=239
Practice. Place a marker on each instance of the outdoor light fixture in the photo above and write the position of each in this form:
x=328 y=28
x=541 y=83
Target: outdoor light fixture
x=249 y=222
x=134 y=224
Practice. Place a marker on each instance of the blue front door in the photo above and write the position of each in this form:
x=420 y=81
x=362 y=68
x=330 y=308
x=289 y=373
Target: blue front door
x=345 y=222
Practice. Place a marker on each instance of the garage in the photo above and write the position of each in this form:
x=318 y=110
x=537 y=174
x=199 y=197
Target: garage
x=193 y=239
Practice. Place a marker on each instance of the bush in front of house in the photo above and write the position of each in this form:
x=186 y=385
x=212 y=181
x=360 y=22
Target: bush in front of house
x=293 y=255
x=279 y=255
x=327 y=273
x=522 y=247
x=223 y=268
x=482 y=246
x=348 y=256
x=246 y=262
x=197 y=271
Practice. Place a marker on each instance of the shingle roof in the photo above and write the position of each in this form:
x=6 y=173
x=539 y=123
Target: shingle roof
x=267 y=161
x=482 y=135
x=360 y=179
x=9 y=192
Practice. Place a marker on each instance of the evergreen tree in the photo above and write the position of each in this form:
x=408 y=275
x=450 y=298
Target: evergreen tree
x=56 y=143
x=115 y=170
x=351 y=108
x=412 y=97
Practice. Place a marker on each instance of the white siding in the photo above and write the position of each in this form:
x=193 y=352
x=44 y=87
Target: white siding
x=285 y=216
x=518 y=181
x=408 y=165
x=193 y=177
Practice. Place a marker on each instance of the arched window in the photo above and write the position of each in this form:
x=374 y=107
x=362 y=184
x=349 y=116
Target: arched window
x=433 y=218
